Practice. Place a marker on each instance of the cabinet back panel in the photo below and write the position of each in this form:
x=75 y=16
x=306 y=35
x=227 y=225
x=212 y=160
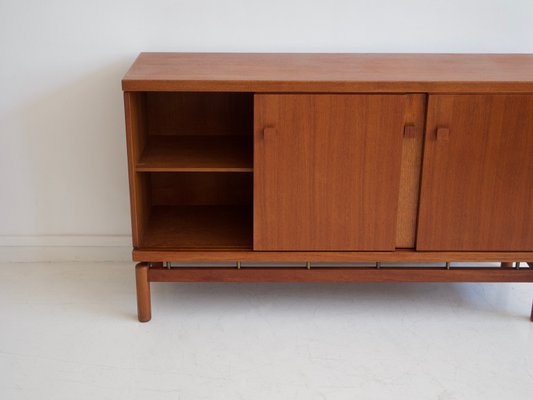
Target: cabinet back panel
x=193 y=188
x=171 y=113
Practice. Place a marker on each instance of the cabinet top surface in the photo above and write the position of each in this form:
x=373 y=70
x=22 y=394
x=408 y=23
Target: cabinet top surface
x=328 y=72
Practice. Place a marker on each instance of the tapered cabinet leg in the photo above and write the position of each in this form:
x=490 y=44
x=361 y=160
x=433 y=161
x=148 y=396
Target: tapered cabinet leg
x=144 y=307
x=507 y=265
x=530 y=265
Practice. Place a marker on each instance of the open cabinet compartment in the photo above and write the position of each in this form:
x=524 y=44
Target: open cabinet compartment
x=196 y=132
x=191 y=157
x=191 y=210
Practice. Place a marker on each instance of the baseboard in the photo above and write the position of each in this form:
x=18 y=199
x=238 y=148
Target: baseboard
x=65 y=240
x=65 y=248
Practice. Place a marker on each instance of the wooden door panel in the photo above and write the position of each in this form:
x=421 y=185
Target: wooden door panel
x=327 y=170
x=477 y=183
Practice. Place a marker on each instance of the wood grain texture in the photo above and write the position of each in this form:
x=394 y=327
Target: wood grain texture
x=412 y=147
x=178 y=255
x=136 y=132
x=201 y=189
x=333 y=274
x=327 y=177
x=477 y=185
x=203 y=114
x=144 y=307
x=263 y=72
x=197 y=154
x=199 y=227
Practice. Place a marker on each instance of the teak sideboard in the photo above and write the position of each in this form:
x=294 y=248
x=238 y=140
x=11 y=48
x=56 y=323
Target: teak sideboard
x=236 y=160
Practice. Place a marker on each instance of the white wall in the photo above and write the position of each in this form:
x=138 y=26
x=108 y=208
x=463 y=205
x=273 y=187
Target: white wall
x=63 y=177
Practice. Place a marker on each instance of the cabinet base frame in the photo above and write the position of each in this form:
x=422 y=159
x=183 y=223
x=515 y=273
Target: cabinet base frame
x=400 y=255
x=155 y=272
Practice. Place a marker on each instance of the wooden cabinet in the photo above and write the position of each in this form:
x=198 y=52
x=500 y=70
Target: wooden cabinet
x=328 y=166
x=306 y=159
x=477 y=183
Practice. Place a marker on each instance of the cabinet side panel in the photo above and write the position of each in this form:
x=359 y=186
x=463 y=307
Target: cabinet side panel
x=134 y=104
x=412 y=147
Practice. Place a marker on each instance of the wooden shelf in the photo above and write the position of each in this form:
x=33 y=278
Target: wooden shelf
x=178 y=153
x=199 y=227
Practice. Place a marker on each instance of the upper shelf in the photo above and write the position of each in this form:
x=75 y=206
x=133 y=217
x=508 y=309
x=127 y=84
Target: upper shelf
x=269 y=72
x=176 y=153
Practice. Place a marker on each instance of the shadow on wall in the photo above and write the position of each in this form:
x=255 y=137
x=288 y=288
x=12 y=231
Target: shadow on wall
x=71 y=147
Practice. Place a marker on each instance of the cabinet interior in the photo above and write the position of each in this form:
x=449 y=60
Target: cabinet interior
x=193 y=168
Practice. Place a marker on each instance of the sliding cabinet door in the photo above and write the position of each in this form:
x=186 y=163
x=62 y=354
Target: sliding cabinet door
x=327 y=170
x=477 y=183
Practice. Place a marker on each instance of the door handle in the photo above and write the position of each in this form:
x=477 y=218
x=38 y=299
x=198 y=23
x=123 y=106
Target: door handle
x=443 y=134
x=268 y=132
x=409 y=131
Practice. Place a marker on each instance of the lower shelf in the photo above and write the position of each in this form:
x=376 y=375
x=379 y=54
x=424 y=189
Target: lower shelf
x=199 y=227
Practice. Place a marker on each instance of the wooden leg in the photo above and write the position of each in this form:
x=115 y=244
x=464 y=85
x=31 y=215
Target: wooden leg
x=511 y=265
x=144 y=308
x=530 y=264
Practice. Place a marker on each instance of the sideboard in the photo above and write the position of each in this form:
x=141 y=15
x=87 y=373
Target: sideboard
x=334 y=165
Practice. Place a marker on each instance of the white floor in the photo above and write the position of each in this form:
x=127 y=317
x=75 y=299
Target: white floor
x=69 y=331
